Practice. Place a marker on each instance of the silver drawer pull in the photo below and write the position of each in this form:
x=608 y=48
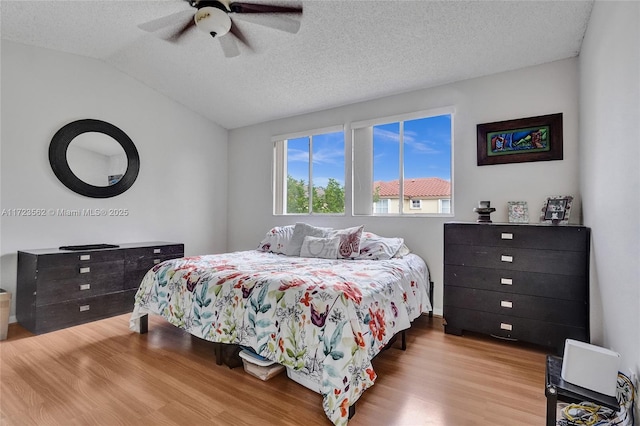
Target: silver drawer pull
x=85 y=270
x=85 y=287
x=506 y=281
x=156 y=261
x=156 y=251
x=505 y=326
x=506 y=258
x=506 y=304
x=85 y=257
x=506 y=236
x=84 y=308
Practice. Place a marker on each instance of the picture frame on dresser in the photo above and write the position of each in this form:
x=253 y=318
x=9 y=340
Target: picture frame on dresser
x=518 y=211
x=556 y=210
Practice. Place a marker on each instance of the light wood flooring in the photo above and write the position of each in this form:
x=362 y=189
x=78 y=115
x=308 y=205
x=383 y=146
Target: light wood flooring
x=104 y=374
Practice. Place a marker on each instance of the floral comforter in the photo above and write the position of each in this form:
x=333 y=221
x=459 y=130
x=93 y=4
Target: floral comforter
x=326 y=318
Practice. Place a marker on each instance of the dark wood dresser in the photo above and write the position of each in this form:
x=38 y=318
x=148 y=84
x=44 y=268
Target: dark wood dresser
x=61 y=288
x=517 y=282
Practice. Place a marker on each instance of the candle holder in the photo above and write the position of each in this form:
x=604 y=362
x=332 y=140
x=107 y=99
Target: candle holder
x=484 y=211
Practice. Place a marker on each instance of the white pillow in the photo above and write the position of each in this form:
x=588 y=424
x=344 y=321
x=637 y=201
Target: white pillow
x=326 y=248
x=300 y=231
x=375 y=247
x=277 y=239
x=349 y=241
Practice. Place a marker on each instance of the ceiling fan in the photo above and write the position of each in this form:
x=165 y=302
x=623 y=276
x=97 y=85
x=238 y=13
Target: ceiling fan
x=215 y=17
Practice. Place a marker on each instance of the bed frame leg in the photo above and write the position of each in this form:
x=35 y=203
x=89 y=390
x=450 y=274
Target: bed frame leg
x=431 y=298
x=142 y=324
x=404 y=340
x=352 y=410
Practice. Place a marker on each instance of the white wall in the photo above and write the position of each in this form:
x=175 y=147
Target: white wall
x=544 y=89
x=181 y=189
x=610 y=173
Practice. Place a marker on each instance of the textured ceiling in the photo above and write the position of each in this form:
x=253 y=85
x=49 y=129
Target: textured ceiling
x=344 y=52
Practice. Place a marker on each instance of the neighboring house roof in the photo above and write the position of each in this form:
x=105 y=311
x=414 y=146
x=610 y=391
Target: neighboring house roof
x=415 y=188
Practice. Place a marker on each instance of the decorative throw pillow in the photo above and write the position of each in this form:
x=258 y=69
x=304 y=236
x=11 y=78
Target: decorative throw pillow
x=277 y=239
x=375 y=247
x=300 y=231
x=326 y=248
x=349 y=241
x=402 y=251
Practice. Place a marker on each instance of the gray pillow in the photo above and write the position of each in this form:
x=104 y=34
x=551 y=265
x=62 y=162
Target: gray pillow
x=300 y=231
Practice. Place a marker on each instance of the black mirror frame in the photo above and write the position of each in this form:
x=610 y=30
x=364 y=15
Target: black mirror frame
x=58 y=158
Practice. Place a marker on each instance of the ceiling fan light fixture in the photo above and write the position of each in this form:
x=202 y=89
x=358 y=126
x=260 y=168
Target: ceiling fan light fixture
x=213 y=21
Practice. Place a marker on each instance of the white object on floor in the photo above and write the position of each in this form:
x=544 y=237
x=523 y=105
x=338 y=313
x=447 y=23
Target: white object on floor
x=590 y=366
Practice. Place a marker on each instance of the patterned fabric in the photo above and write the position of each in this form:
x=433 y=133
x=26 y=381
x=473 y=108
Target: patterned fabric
x=349 y=241
x=277 y=239
x=326 y=248
x=375 y=247
x=324 y=317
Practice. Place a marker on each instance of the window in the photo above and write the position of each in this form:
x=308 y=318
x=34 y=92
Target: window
x=309 y=173
x=402 y=164
x=381 y=206
x=445 y=206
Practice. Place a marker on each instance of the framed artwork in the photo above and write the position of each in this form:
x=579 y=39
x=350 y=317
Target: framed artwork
x=522 y=140
x=518 y=212
x=556 y=210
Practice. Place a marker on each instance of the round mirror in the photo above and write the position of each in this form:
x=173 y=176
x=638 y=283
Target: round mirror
x=94 y=158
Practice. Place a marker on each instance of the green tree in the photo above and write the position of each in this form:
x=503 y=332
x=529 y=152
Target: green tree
x=297 y=196
x=329 y=199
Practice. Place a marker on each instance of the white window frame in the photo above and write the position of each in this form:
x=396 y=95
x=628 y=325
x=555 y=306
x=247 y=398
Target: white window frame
x=413 y=200
x=359 y=205
x=279 y=169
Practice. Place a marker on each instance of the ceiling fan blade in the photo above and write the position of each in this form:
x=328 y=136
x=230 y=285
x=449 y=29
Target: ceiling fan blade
x=277 y=22
x=166 y=21
x=235 y=32
x=181 y=31
x=240 y=7
x=229 y=46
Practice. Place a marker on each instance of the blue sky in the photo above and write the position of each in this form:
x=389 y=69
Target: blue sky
x=427 y=152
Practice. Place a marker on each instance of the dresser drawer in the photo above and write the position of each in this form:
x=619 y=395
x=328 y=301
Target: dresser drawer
x=169 y=251
x=139 y=261
x=66 y=259
x=55 y=291
x=60 y=315
x=571 y=238
x=86 y=270
x=555 y=311
x=517 y=259
x=504 y=326
x=568 y=287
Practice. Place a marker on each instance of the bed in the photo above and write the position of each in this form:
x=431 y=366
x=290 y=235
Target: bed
x=324 y=313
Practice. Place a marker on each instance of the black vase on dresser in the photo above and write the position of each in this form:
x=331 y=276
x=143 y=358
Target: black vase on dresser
x=59 y=288
x=517 y=282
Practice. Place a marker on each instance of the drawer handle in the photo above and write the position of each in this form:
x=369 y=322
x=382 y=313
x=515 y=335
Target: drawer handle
x=506 y=281
x=156 y=251
x=506 y=258
x=85 y=287
x=85 y=257
x=156 y=261
x=505 y=326
x=84 y=308
x=85 y=270
x=506 y=304
x=506 y=236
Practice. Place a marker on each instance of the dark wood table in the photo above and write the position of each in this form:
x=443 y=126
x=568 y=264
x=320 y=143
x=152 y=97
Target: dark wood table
x=556 y=389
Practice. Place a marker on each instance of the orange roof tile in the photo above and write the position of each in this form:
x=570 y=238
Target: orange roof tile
x=415 y=188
